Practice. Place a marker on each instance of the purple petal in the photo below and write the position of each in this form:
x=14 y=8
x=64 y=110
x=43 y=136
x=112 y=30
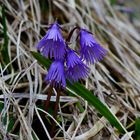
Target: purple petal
x=76 y=69
x=90 y=50
x=56 y=75
x=53 y=44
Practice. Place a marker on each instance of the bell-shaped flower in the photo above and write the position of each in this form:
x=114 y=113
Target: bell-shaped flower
x=90 y=50
x=76 y=69
x=53 y=44
x=56 y=75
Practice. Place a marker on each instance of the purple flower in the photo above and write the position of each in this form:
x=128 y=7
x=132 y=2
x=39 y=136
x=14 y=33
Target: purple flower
x=76 y=69
x=56 y=75
x=90 y=50
x=52 y=44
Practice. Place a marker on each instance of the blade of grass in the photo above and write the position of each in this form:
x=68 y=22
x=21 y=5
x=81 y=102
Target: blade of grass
x=93 y=100
x=41 y=59
x=137 y=129
x=113 y=2
x=4 y=47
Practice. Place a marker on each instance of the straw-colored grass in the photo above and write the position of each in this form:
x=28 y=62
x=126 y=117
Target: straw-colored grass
x=115 y=80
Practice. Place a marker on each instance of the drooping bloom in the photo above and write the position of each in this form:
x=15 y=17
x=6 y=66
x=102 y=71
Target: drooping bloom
x=56 y=75
x=76 y=69
x=90 y=50
x=53 y=44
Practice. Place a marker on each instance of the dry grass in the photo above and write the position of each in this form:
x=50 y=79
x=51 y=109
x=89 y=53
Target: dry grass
x=115 y=80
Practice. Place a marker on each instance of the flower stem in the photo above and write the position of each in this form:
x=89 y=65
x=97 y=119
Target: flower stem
x=47 y=102
x=71 y=32
x=55 y=113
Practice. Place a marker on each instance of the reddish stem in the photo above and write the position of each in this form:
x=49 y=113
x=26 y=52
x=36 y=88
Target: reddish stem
x=47 y=102
x=55 y=113
x=71 y=32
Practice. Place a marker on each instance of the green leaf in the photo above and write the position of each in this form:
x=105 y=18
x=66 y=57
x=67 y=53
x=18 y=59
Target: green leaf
x=80 y=107
x=87 y=95
x=11 y=123
x=93 y=100
x=1 y=106
x=137 y=129
x=41 y=59
x=4 y=47
x=113 y=2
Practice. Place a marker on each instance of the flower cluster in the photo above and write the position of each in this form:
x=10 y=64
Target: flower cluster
x=67 y=62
